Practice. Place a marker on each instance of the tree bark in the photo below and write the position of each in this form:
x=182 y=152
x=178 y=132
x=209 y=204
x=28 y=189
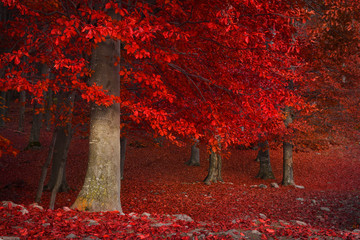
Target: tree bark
x=61 y=170
x=2 y=108
x=195 y=155
x=101 y=189
x=123 y=142
x=214 y=172
x=288 y=172
x=63 y=136
x=22 y=111
x=265 y=171
x=48 y=105
x=45 y=168
x=34 y=141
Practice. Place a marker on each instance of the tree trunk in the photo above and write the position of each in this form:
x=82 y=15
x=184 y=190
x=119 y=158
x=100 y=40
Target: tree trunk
x=22 y=111
x=288 y=173
x=2 y=108
x=265 y=171
x=34 y=141
x=45 y=168
x=214 y=172
x=195 y=155
x=123 y=142
x=62 y=138
x=101 y=189
x=48 y=105
x=61 y=170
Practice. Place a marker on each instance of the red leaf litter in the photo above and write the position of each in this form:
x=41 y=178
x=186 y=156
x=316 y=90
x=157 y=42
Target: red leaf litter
x=164 y=198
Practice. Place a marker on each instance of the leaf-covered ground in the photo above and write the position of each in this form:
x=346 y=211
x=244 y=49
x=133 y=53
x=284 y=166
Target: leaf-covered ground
x=164 y=198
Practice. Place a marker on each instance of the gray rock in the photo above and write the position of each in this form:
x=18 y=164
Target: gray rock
x=301 y=223
x=253 y=186
x=35 y=205
x=23 y=210
x=325 y=209
x=300 y=199
x=283 y=222
x=263 y=216
x=160 y=224
x=256 y=232
x=183 y=217
x=92 y=222
x=145 y=214
x=262 y=186
x=71 y=236
x=9 y=238
x=274 y=185
x=299 y=187
x=9 y=204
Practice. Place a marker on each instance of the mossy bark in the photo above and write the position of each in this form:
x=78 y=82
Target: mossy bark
x=101 y=189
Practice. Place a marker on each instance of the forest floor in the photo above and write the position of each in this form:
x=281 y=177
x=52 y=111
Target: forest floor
x=164 y=198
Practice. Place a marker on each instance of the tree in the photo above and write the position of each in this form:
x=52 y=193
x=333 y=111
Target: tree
x=101 y=190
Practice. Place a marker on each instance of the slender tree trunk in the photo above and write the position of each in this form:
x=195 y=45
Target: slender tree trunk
x=34 y=141
x=265 y=171
x=101 y=189
x=195 y=155
x=214 y=172
x=123 y=142
x=288 y=172
x=61 y=170
x=62 y=143
x=45 y=168
x=22 y=111
x=2 y=108
x=48 y=105
x=63 y=136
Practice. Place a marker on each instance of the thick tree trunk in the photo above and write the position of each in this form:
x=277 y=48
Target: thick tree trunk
x=195 y=155
x=288 y=172
x=101 y=189
x=214 y=172
x=265 y=171
x=22 y=111
x=123 y=142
